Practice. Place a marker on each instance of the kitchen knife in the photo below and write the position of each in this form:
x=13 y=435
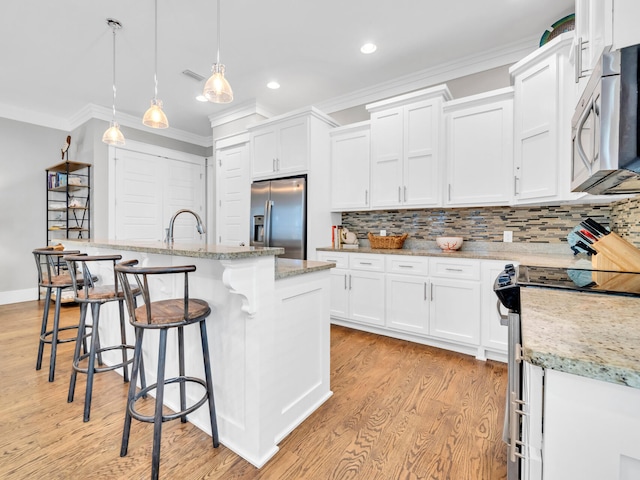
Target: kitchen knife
x=585 y=247
x=590 y=229
x=597 y=227
x=586 y=235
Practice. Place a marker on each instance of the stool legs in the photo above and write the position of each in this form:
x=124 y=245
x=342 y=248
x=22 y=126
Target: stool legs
x=76 y=353
x=54 y=333
x=43 y=329
x=209 y=380
x=157 y=422
x=137 y=357
x=123 y=340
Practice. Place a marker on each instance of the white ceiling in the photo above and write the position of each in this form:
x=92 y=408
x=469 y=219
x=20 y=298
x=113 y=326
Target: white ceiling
x=57 y=55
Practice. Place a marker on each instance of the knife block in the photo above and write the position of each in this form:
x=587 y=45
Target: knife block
x=615 y=253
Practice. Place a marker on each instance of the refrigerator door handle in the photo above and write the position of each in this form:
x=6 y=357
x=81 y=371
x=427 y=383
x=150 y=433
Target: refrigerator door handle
x=267 y=222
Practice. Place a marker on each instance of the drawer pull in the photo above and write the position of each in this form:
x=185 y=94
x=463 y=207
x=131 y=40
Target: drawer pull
x=365 y=263
x=454 y=269
x=405 y=266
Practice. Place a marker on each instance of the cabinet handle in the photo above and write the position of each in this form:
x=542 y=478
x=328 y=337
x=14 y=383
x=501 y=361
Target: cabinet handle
x=366 y=197
x=349 y=281
x=399 y=194
x=273 y=167
x=331 y=260
x=454 y=269
x=345 y=281
x=515 y=185
x=449 y=192
x=278 y=164
x=431 y=292
x=425 y=291
x=365 y=263
x=405 y=193
x=405 y=266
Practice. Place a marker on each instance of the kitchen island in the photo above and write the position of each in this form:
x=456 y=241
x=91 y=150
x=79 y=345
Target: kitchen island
x=268 y=336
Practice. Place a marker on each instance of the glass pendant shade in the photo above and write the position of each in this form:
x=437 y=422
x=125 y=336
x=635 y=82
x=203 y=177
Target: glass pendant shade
x=113 y=135
x=217 y=89
x=154 y=117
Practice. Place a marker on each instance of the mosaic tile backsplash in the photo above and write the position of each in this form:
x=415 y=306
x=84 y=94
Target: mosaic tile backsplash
x=539 y=224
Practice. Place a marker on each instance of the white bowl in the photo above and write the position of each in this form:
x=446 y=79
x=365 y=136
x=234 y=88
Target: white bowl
x=449 y=244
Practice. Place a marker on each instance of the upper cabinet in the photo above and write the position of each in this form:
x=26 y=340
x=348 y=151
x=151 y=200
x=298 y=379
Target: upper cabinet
x=350 y=167
x=479 y=149
x=406 y=149
x=543 y=106
x=280 y=148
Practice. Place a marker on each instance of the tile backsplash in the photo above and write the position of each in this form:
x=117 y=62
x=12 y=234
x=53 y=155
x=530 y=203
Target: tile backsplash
x=539 y=224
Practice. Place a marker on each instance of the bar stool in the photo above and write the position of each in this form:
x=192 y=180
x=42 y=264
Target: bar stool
x=163 y=315
x=87 y=293
x=52 y=275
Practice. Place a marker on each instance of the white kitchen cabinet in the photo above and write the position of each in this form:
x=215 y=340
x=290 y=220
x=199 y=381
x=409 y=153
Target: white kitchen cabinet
x=407 y=291
x=339 y=282
x=479 y=149
x=406 y=147
x=544 y=102
x=493 y=335
x=366 y=292
x=233 y=191
x=454 y=311
x=350 y=163
x=591 y=429
x=593 y=32
x=280 y=148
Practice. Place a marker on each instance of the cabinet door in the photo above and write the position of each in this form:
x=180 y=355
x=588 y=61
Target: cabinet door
x=494 y=336
x=421 y=174
x=480 y=154
x=366 y=300
x=264 y=151
x=386 y=157
x=233 y=195
x=407 y=306
x=536 y=159
x=455 y=310
x=339 y=293
x=350 y=162
x=293 y=148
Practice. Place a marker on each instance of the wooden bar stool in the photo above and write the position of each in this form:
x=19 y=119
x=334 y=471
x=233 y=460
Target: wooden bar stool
x=87 y=293
x=163 y=315
x=52 y=274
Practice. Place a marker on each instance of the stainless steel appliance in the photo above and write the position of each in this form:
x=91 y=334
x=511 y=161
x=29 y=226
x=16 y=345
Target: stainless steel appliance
x=507 y=287
x=279 y=215
x=604 y=128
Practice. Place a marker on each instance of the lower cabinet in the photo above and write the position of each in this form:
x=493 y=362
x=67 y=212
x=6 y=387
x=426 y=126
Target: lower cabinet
x=441 y=301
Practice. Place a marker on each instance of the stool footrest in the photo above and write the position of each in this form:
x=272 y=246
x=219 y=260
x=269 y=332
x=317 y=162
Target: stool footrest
x=44 y=339
x=79 y=369
x=165 y=418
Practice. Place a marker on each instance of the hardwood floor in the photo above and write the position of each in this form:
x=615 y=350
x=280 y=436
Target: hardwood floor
x=399 y=411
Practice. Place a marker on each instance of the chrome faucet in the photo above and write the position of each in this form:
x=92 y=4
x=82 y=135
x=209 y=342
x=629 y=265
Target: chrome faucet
x=199 y=224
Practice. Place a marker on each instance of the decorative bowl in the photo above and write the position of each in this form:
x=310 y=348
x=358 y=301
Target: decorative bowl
x=449 y=244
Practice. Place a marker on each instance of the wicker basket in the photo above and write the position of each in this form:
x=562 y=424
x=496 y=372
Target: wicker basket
x=387 y=242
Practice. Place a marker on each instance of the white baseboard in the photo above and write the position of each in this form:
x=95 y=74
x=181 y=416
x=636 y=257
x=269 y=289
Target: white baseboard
x=17 y=296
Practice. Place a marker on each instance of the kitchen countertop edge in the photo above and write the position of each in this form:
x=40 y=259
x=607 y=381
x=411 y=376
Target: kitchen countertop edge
x=288 y=267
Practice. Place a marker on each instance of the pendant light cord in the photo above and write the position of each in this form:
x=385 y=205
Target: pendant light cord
x=114 y=72
x=218 y=20
x=155 y=75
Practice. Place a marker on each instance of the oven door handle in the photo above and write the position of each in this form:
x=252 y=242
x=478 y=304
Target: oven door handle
x=583 y=119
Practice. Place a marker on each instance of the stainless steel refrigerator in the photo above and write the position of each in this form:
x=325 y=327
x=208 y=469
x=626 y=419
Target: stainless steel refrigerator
x=279 y=215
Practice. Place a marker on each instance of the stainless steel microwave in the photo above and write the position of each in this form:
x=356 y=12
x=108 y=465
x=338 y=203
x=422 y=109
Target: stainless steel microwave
x=604 y=129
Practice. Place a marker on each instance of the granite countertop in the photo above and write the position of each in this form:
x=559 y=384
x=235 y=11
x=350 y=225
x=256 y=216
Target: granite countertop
x=215 y=252
x=289 y=267
x=588 y=334
x=525 y=254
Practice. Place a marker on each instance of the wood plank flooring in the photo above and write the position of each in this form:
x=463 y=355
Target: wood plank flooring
x=399 y=411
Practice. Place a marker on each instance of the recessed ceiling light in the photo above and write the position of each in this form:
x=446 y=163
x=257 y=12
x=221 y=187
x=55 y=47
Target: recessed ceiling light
x=273 y=85
x=201 y=98
x=368 y=48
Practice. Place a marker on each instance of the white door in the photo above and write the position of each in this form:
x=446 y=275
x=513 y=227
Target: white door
x=367 y=297
x=139 y=182
x=494 y=335
x=233 y=194
x=455 y=310
x=407 y=307
x=293 y=154
x=386 y=158
x=264 y=144
x=350 y=161
x=339 y=293
x=184 y=188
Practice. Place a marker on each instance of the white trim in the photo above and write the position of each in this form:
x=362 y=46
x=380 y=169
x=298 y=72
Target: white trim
x=433 y=76
x=231 y=140
x=237 y=112
x=18 y=296
x=34 y=118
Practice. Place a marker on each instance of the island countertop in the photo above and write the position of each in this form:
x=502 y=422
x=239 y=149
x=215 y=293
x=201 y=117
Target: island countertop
x=289 y=267
x=588 y=334
x=215 y=252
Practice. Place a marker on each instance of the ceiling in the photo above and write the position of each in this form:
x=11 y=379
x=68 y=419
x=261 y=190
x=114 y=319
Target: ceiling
x=57 y=55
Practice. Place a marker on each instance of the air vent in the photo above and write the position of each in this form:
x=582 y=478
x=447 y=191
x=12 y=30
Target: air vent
x=196 y=76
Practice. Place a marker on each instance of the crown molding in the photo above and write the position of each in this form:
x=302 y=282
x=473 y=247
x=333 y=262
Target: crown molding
x=239 y=111
x=432 y=76
x=35 y=118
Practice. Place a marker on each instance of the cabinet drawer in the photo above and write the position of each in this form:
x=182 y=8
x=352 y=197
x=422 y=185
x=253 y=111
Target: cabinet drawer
x=467 y=269
x=407 y=265
x=372 y=263
x=341 y=259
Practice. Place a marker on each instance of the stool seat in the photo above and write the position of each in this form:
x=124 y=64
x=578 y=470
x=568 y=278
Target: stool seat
x=170 y=313
x=104 y=292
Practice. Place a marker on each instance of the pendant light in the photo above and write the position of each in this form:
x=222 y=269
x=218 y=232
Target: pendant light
x=155 y=117
x=113 y=135
x=217 y=89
